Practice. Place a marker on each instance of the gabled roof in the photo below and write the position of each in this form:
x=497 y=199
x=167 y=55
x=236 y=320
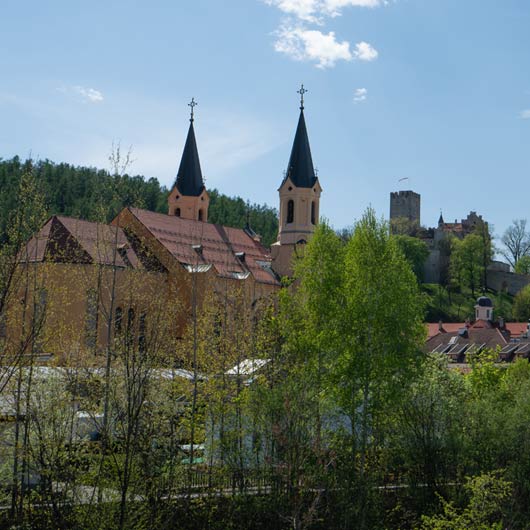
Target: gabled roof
x=300 y=169
x=67 y=240
x=232 y=252
x=189 y=176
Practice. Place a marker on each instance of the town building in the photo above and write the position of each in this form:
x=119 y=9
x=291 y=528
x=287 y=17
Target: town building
x=460 y=342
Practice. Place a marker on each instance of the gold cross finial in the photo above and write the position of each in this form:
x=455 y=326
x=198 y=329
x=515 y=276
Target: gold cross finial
x=192 y=104
x=302 y=91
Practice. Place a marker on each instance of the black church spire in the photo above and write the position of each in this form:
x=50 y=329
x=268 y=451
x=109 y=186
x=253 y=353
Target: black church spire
x=189 y=177
x=300 y=169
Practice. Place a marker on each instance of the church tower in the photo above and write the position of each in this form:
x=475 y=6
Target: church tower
x=188 y=198
x=299 y=199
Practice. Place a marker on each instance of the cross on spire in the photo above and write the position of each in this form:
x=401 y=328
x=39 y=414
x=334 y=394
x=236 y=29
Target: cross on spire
x=302 y=91
x=192 y=104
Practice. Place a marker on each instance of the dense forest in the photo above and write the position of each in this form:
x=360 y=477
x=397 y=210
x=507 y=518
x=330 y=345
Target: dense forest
x=97 y=195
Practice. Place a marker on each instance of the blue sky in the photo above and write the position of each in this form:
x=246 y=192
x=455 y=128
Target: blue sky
x=436 y=91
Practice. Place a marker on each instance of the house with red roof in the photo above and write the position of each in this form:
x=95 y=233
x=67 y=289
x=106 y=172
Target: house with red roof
x=460 y=341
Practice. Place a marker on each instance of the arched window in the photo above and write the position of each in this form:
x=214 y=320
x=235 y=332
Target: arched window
x=91 y=320
x=130 y=318
x=290 y=211
x=142 y=341
x=130 y=327
x=200 y=214
x=118 y=321
x=313 y=212
x=177 y=212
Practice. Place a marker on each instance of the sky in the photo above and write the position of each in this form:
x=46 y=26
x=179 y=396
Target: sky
x=428 y=95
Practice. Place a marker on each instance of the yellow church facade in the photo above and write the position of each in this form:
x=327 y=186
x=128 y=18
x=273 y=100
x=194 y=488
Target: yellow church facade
x=82 y=286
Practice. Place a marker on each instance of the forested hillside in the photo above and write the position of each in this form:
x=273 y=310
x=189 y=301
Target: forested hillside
x=96 y=195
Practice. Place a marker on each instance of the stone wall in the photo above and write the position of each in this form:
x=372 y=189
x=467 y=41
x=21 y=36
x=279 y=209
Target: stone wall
x=507 y=281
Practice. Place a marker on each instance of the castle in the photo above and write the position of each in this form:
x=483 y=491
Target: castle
x=92 y=280
x=405 y=207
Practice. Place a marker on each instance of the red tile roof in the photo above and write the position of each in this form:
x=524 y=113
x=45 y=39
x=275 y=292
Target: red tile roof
x=219 y=246
x=516 y=329
x=78 y=241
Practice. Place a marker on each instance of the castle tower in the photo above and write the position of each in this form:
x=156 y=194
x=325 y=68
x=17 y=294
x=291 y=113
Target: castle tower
x=299 y=199
x=188 y=198
x=405 y=204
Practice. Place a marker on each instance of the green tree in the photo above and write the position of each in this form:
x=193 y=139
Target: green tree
x=415 y=251
x=516 y=241
x=522 y=266
x=429 y=429
x=352 y=328
x=521 y=305
x=467 y=262
x=488 y=495
x=78 y=191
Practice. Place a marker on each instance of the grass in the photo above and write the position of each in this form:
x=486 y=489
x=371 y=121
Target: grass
x=457 y=306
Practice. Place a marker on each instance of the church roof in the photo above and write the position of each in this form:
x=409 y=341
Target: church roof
x=232 y=252
x=189 y=176
x=300 y=169
x=68 y=240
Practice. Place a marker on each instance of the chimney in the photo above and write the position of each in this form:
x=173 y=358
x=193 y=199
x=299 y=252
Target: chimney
x=198 y=249
x=440 y=326
x=501 y=322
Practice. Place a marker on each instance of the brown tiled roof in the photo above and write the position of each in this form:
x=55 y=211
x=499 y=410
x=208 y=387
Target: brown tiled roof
x=219 y=246
x=516 y=329
x=453 y=227
x=481 y=334
x=65 y=239
x=433 y=328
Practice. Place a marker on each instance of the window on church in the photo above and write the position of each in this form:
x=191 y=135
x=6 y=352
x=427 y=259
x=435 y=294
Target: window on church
x=177 y=212
x=130 y=326
x=313 y=213
x=39 y=318
x=142 y=341
x=118 y=321
x=200 y=215
x=91 y=321
x=290 y=211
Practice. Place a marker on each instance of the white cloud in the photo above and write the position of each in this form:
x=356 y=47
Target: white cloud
x=312 y=45
x=303 y=44
x=315 y=10
x=365 y=52
x=90 y=95
x=360 y=94
x=525 y=114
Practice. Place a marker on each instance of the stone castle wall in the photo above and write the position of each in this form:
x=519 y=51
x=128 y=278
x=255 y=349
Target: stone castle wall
x=507 y=281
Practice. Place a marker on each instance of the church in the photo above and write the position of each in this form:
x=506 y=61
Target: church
x=89 y=281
